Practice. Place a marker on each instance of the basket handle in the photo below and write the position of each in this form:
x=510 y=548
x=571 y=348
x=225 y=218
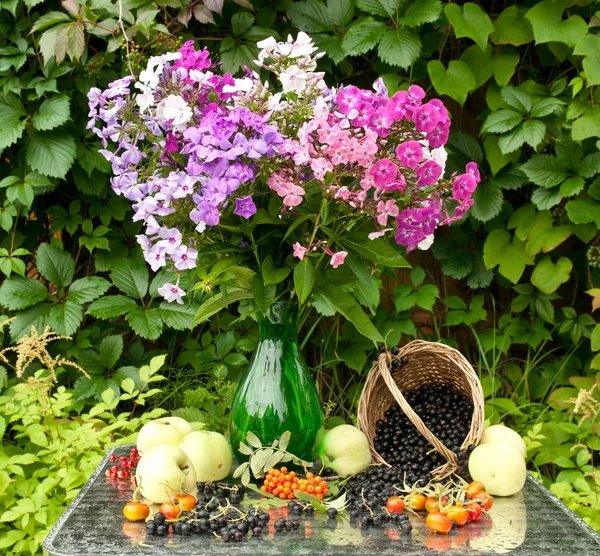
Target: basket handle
x=383 y=362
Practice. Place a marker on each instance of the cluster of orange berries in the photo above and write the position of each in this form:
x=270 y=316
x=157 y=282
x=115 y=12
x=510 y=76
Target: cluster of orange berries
x=282 y=484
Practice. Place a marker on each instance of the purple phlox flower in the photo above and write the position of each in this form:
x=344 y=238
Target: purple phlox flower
x=463 y=187
x=170 y=239
x=171 y=145
x=162 y=207
x=364 y=112
x=132 y=154
x=144 y=208
x=428 y=173
x=426 y=118
x=239 y=171
x=380 y=88
x=245 y=207
x=95 y=97
x=205 y=212
x=410 y=153
x=473 y=170
x=185 y=186
x=118 y=88
x=409 y=231
x=439 y=136
x=144 y=241
x=152 y=226
x=348 y=99
x=215 y=191
x=223 y=128
x=172 y=292
x=381 y=122
x=184 y=257
x=155 y=257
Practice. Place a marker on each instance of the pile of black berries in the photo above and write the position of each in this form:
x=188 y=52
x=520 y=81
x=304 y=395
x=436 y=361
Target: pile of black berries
x=445 y=411
x=216 y=494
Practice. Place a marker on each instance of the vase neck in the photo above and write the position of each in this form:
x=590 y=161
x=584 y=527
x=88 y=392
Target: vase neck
x=278 y=323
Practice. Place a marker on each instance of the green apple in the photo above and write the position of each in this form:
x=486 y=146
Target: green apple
x=500 y=467
x=164 y=471
x=500 y=433
x=166 y=430
x=346 y=450
x=210 y=453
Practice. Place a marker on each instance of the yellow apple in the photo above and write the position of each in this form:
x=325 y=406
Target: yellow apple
x=500 y=433
x=500 y=467
x=166 y=430
x=164 y=471
x=210 y=454
x=346 y=449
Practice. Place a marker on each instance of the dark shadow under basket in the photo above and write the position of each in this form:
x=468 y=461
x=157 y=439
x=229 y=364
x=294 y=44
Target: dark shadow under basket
x=428 y=362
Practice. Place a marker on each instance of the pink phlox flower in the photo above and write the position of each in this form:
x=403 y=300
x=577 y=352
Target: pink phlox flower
x=386 y=209
x=428 y=173
x=384 y=172
x=172 y=292
x=410 y=153
x=463 y=186
x=426 y=118
x=380 y=233
x=320 y=167
x=473 y=170
x=299 y=251
x=343 y=193
x=337 y=259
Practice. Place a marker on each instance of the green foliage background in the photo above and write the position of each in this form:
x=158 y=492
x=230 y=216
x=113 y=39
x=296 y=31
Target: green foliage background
x=513 y=285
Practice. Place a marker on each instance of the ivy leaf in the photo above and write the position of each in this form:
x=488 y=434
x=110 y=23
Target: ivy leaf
x=504 y=65
x=488 y=202
x=51 y=153
x=19 y=293
x=531 y=132
x=145 y=323
x=509 y=255
x=501 y=121
x=55 y=264
x=480 y=62
x=545 y=170
x=497 y=160
x=241 y=22
x=87 y=289
x=512 y=27
x=400 y=47
x=456 y=81
x=469 y=20
x=111 y=306
x=311 y=17
x=517 y=98
x=588 y=46
x=11 y=125
x=422 y=11
x=545 y=107
x=548 y=25
x=547 y=276
x=52 y=113
x=65 y=318
x=363 y=36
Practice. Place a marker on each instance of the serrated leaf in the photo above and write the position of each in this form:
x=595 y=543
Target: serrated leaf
x=545 y=107
x=340 y=12
x=65 y=318
x=572 y=186
x=469 y=20
x=52 y=113
x=384 y=8
x=545 y=199
x=310 y=17
x=55 y=265
x=545 y=170
x=146 y=323
x=131 y=278
x=531 y=132
x=488 y=202
x=422 y=11
x=111 y=306
x=517 y=98
x=363 y=36
x=400 y=47
x=51 y=153
x=87 y=289
x=110 y=349
x=501 y=121
x=18 y=293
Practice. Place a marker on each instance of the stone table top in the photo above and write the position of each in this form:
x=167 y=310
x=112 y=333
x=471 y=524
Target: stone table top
x=533 y=522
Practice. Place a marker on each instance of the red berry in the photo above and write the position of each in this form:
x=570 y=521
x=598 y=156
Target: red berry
x=115 y=468
x=113 y=458
x=122 y=474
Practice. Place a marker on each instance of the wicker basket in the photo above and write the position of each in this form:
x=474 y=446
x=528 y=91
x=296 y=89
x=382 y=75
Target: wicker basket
x=428 y=362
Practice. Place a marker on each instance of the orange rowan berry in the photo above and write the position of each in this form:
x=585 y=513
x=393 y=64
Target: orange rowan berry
x=310 y=489
x=284 y=470
x=318 y=489
x=283 y=496
x=318 y=479
x=309 y=475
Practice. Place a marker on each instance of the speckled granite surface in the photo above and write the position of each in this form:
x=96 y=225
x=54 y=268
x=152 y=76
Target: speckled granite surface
x=531 y=523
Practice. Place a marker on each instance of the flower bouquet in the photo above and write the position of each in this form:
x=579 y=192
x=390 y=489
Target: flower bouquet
x=276 y=190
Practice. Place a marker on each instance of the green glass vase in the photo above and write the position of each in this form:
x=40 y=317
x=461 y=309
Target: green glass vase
x=277 y=393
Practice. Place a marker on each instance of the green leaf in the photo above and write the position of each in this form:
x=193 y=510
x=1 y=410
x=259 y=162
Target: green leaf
x=65 y=318
x=363 y=36
x=11 y=125
x=340 y=12
x=548 y=25
x=502 y=121
x=19 y=293
x=400 y=47
x=456 y=81
x=179 y=317
x=264 y=296
x=512 y=27
x=480 y=63
x=310 y=17
x=531 y=132
x=377 y=250
x=545 y=107
x=304 y=279
x=497 y=161
x=87 y=289
x=271 y=274
x=55 y=265
x=469 y=20
x=111 y=306
x=51 y=153
x=220 y=301
x=589 y=46
x=545 y=199
x=572 y=186
x=131 y=278
x=241 y=22
x=384 y=8
x=504 y=64
x=145 y=323
x=510 y=256
x=517 y=98
x=545 y=170
x=589 y=166
x=52 y=113
x=547 y=276
x=348 y=307
x=488 y=202
x=422 y=11
x=49 y=19
x=583 y=211
x=110 y=349
x=587 y=125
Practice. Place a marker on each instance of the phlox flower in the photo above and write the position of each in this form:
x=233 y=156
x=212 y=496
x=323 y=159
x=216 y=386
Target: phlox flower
x=245 y=207
x=428 y=173
x=299 y=251
x=385 y=209
x=337 y=259
x=184 y=257
x=410 y=153
x=384 y=172
x=172 y=292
